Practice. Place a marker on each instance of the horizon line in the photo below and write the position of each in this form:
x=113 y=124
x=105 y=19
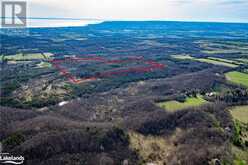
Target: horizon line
x=129 y=20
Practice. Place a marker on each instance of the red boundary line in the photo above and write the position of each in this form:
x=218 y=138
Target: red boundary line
x=153 y=65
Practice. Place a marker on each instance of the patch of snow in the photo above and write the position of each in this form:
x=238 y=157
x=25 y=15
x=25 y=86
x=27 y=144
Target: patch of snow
x=63 y=103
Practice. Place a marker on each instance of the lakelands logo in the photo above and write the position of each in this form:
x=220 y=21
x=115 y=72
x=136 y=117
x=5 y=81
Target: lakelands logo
x=6 y=158
x=14 y=14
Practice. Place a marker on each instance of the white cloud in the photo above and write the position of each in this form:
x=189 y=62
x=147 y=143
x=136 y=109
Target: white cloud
x=211 y=10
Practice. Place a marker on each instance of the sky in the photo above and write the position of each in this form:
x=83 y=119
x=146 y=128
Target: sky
x=178 y=10
x=185 y=10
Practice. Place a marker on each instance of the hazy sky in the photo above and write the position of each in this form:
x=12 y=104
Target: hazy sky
x=190 y=10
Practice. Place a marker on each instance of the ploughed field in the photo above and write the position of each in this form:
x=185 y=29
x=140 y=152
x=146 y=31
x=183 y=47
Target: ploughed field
x=126 y=92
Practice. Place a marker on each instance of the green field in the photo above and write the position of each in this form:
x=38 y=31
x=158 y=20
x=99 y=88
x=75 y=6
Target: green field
x=240 y=113
x=238 y=78
x=189 y=102
x=235 y=62
x=223 y=47
x=183 y=57
x=220 y=51
x=214 y=61
x=26 y=57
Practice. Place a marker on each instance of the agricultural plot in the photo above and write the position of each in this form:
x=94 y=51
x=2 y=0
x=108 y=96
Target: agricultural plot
x=214 y=61
x=237 y=78
x=182 y=57
x=230 y=61
x=189 y=102
x=229 y=47
x=212 y=52
x=26 y=57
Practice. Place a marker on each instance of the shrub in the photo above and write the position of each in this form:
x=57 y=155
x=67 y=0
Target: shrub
x=14 y=140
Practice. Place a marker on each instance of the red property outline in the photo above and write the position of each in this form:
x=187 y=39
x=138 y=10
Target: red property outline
x=152 y=65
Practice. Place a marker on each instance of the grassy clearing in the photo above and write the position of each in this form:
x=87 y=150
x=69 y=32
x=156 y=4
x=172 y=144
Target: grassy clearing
x=189 y=102
x=238 y=78
x=240 y=113
x=215 y=61
x=26 y=57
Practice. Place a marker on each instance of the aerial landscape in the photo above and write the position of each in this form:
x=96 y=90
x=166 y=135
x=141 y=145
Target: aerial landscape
x=124 y=82
x=150 y=92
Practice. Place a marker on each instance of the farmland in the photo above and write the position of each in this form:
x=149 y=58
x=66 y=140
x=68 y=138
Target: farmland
x=214 y=61
x=26 y=57
x=189 y=102
x=238 y=78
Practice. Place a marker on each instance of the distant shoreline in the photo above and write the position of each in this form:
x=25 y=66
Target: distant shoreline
x=36 y=22
x=56 y=23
